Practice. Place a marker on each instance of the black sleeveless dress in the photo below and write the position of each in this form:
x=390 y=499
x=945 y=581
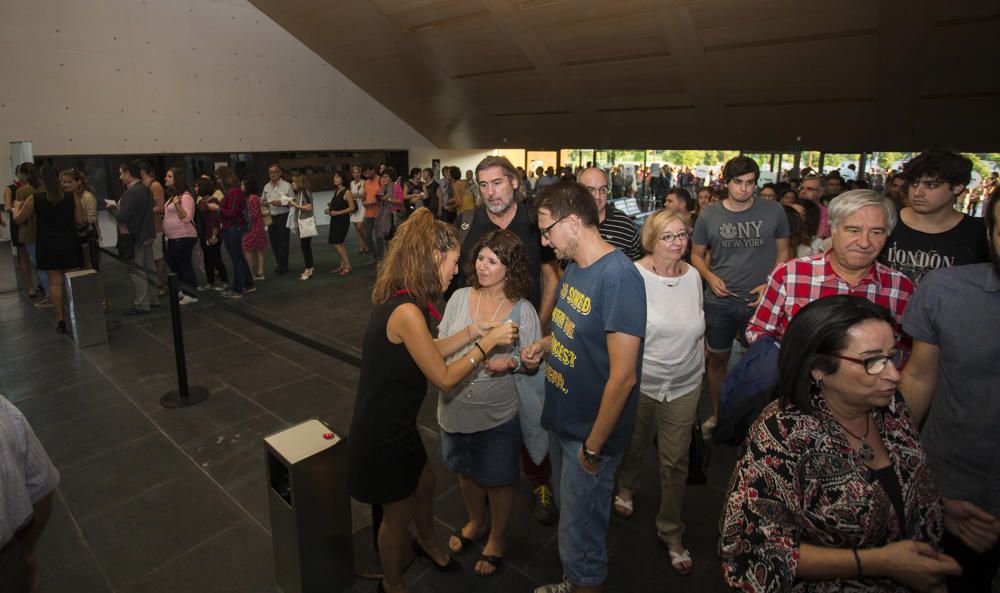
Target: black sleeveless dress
x=56 y=239
x=386 y=453
x=339 y=224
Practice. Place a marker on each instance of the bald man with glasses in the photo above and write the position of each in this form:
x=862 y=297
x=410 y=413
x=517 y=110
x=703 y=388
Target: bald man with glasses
x=615 y=226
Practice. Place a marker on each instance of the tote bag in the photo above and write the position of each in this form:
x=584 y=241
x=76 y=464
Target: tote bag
x=307 y=227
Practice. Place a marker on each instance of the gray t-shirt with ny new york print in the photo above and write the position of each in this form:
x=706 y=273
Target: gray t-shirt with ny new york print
x=742 y=245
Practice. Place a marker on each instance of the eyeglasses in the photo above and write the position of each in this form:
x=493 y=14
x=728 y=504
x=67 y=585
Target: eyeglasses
x=598 y=190
x=875 y=364
x=548 y=229
x=669 y=238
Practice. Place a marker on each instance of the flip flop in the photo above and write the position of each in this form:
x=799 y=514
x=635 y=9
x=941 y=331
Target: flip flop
x=623 y=507
x=344 y=271
x=465 y=541
x=495 y=561
x=677 y=559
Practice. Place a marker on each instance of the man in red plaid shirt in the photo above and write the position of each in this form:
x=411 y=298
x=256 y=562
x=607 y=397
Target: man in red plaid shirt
x=860 y=223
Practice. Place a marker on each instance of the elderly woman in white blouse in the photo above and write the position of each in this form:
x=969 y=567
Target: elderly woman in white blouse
x=672 y=367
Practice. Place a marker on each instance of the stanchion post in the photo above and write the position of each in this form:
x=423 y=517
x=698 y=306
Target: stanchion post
x=184 y=395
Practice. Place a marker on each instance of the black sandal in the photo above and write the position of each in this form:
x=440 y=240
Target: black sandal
x=465 y=541
x=495 y=561
x=420 y=552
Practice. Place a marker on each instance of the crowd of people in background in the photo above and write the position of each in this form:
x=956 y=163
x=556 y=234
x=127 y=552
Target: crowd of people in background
x=573 y=339
x=375 y=198
x=836 y=488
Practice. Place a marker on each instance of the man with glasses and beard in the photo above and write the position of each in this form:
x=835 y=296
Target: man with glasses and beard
x=594 y=360
x=953 y=319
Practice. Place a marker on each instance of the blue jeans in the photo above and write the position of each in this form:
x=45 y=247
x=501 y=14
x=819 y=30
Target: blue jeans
x=179 y=259
x=233 y=239
x=375 y=245
x=43 y=276
x=584 y=511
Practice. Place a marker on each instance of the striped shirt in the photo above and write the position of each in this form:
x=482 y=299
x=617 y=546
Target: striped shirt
x=619 y=230
x=798 y=282
x=26 y=472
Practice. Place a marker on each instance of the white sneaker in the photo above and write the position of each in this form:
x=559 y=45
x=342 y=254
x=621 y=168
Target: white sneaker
x=187 y=300
x=563 y=587
x=219 y=288
x=307 y=274
x=708 y=426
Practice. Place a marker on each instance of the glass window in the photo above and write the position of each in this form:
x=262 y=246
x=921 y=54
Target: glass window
x=516 y=156
x=576 y=157
x=542 y=158
x=603 y=158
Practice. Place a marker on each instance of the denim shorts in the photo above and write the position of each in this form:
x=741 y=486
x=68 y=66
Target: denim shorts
x=584 y=502
x=490 y=457
x=725 y=320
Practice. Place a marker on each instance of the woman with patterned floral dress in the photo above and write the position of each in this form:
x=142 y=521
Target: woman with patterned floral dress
x=834 y=492
x=255 y=241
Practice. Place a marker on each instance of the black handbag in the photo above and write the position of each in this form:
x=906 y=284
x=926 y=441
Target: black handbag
x=698 y=456
x=87 y=233
x=126 y=246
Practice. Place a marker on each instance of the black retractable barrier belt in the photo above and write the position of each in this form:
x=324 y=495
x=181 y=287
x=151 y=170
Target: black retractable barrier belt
x=272 y=327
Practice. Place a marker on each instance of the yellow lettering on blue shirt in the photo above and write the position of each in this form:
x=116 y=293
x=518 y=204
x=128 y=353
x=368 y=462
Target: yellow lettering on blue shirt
x=562 y=353
x=576 y=299
x=555 y=378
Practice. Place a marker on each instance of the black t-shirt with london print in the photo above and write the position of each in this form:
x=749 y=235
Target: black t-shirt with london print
x=914 y=253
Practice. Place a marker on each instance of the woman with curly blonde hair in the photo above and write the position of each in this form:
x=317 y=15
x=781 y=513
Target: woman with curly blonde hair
x=388 y=460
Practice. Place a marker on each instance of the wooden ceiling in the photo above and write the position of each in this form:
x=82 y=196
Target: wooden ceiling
x=835 y=75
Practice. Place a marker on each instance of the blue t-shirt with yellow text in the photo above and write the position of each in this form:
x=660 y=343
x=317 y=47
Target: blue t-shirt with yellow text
x=606 y=296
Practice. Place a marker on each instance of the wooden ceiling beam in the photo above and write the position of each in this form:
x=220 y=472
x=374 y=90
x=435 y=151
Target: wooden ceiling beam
x=680 y=38
x=521 y=34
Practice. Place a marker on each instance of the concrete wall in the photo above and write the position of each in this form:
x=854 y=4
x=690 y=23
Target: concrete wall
x=174 y=76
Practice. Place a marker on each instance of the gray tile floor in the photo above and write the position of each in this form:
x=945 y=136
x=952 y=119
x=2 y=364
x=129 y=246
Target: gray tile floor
x=158 y=500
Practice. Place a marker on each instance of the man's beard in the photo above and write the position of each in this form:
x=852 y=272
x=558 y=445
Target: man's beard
x=499 y=209
x=567 y=253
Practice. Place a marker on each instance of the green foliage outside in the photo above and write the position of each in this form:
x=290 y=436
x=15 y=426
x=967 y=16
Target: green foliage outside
x=717 y=157
x=690 y=157
x=978 y=165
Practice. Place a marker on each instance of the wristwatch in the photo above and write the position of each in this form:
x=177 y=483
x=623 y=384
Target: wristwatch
x=591 y=457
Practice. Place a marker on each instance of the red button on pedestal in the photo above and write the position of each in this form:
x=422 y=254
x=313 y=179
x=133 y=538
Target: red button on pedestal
x=327 y=435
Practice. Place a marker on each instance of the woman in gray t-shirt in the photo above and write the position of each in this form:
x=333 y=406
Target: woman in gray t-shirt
x=480 y=429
